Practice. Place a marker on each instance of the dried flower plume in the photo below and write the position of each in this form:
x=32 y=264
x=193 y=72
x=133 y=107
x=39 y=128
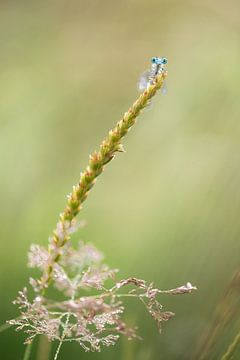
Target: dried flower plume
x=92 y=320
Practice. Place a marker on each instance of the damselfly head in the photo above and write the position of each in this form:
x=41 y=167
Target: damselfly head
x=159 y=60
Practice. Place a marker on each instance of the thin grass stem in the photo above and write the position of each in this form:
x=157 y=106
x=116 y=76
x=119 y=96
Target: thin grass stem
x=225 y=311
x=58 y=350
x=44 y=348
x=232 y=348
x=27 y=352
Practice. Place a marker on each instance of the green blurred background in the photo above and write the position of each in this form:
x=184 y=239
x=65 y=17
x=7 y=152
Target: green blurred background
x=168 y=209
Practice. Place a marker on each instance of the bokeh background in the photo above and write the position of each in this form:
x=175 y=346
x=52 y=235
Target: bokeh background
x=167 y=210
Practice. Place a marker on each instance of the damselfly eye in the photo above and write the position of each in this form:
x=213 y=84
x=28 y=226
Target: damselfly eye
x=164 y=60
x=154 y=60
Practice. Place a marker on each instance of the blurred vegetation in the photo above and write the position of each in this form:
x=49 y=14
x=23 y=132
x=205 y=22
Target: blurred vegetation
x=168 y=209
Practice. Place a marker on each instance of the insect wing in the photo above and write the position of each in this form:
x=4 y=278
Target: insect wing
x=164 y=89
x=144 y=81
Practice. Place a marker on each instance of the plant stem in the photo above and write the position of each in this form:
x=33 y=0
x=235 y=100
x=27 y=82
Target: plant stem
x=225 y=311
x=44 y=348
x=57 y=351
x=27 y=352
x=97 y=161
x=232 y=348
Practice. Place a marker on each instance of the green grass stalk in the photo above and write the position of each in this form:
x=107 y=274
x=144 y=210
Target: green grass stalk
x=232 y=348
x=97 y=161
x=226 y=311
x=27 y=352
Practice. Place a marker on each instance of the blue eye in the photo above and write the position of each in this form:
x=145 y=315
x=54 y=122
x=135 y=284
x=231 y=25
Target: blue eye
x=159 y=60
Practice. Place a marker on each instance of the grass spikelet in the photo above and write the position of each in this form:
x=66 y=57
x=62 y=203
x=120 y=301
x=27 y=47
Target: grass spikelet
x=110 y=146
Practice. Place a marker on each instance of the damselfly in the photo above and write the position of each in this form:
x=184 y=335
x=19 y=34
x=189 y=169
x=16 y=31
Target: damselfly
x=147 y=78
